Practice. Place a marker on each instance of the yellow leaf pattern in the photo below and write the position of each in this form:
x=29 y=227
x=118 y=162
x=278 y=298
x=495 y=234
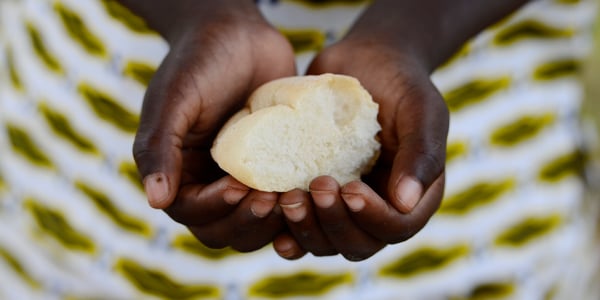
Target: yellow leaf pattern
x=111 y=57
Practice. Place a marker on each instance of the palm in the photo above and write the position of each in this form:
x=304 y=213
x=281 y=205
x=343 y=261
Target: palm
x=237 y=66
x=206 y=77
x=409 y=106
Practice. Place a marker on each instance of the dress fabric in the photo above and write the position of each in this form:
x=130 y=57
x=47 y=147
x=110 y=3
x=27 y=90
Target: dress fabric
x=516 y=221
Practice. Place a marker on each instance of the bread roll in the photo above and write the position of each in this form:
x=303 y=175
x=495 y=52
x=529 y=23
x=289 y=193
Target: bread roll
x=297 y=128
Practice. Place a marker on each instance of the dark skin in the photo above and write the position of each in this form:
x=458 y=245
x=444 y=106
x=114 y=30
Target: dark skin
x=222 y=50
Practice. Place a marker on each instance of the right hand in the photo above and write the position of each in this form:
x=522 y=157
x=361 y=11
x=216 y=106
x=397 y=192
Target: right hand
x=214 y=63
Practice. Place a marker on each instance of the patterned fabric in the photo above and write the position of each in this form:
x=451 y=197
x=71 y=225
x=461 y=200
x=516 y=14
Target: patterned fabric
x=74 y=222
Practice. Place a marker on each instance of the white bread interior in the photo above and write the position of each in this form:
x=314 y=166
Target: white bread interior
x=297 y=128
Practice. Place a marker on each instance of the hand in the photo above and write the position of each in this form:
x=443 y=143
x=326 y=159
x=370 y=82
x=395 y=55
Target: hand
x=392 y=48
x=217 y=58
x=406 y=186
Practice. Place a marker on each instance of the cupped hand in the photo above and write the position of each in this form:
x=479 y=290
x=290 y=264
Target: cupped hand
x=405 y=187
x=214 y=63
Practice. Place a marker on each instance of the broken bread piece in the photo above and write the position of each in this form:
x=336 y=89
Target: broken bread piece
x=295 y=129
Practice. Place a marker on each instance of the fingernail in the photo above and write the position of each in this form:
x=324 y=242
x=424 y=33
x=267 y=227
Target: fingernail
x=233 y=196
x=295 y=212
x=157 y=189
x=261 y=208
x=354 y=202
x=325 y=200
x=409 y=192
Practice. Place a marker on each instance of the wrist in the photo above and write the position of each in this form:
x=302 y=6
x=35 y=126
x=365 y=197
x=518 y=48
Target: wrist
x=429 y=31
x=172 y=19
x=391 y=28
x=384 y=49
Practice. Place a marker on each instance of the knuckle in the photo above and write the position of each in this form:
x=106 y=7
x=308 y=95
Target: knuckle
x=433 y=160
x=140 y=149
x=143 y=146
x=149 y=147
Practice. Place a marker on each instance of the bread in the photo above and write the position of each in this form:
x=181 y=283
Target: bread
x=295 y=129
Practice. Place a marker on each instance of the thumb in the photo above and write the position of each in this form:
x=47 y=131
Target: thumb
x=157 y=149
x=420 y=158
x=170 y=110
x=159 y=163
x=416 y=166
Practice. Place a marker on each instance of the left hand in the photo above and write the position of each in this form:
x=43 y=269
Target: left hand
x=392 y=48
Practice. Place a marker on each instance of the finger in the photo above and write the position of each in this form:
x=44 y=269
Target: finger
x=242 y=229
x=198 y=204
x=383 y=221
x=262 y=204
x=421 y=139
x=303 y=223
x=169 y=110
x=286 y=246
x=352 y=242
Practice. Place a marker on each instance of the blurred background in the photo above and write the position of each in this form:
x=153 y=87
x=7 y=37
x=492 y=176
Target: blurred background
x=74 y=222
